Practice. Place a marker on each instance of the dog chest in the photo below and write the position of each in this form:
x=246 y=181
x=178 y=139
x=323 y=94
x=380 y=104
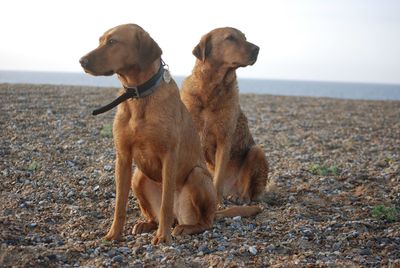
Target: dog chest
x=148 y=162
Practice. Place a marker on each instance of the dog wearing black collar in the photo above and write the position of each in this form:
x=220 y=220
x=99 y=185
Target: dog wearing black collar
x=156 y=132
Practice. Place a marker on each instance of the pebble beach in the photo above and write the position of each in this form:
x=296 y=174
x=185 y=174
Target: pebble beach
x=333 y=199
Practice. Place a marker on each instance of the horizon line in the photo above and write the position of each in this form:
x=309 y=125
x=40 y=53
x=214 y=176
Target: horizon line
x=239 y=77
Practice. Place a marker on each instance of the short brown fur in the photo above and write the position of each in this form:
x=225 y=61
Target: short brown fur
x=171 y=181
x=210 y=93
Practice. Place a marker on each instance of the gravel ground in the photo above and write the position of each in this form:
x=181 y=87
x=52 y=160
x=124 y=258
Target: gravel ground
x=334 y=198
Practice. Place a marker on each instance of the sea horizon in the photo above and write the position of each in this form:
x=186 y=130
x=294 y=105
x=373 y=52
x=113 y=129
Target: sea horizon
x=280 y=87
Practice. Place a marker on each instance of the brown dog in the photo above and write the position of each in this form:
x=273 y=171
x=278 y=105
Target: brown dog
x=155 y=130
x=210 y=93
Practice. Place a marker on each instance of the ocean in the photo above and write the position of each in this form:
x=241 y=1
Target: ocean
x=258 y=86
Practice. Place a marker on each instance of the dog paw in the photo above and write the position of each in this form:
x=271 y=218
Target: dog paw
x=179 y=230
x=111 y=236
x=244 y=199
x=188 y=229
x=162 y=239
x=144 y=227
x=240 y=200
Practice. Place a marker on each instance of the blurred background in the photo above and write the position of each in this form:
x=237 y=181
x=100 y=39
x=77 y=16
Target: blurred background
x=354 y=41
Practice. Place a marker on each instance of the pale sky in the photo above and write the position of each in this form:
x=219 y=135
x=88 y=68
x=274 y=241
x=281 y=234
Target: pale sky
x=333 y=40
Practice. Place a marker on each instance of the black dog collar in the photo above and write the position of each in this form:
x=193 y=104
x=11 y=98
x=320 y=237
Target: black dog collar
x=137 y=92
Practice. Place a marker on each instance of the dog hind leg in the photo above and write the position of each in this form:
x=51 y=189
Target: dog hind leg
x=253 y=175
x=148 y=194
x=197 y=204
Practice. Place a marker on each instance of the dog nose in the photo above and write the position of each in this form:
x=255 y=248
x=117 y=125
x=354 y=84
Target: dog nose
x=84 y=62
x=254 y=52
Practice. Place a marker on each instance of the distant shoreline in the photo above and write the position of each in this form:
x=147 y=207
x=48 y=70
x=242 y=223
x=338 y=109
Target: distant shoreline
x=340 y=90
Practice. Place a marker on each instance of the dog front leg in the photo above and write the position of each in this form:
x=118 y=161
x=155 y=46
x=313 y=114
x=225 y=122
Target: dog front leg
x=222 y=157
x=167 y=200
x=123 y=176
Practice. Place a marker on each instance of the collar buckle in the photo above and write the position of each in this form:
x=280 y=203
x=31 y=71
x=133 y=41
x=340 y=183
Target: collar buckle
x=133 y=92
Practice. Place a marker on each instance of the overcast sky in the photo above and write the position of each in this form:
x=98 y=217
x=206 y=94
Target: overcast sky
x=334 y=40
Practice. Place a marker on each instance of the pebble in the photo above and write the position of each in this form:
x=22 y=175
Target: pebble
x=253 y=250
x=108 y=167
x=250 y=227
x=270 y=248
x=118 y=258
x=70 y=163
x=365 y=251
x=204 y=249
x=111 y=253
x=353 y=234
x=337 y=246
x=80 y=141
x=70 y=194
x=97 y=251
x=124 y=250
x=221 y=248
x=237 y=218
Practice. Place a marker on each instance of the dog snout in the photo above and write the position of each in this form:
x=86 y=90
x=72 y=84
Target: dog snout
x=254 y=52
x=84 y=62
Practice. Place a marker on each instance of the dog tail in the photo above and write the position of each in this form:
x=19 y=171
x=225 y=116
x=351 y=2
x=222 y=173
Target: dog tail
x=243 y=211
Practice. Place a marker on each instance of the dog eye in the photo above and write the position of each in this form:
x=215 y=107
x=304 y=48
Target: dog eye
x=231 y=38
x=111 y=41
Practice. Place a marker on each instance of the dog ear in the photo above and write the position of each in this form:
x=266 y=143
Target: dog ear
x=203 y=49
x=149 y=50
